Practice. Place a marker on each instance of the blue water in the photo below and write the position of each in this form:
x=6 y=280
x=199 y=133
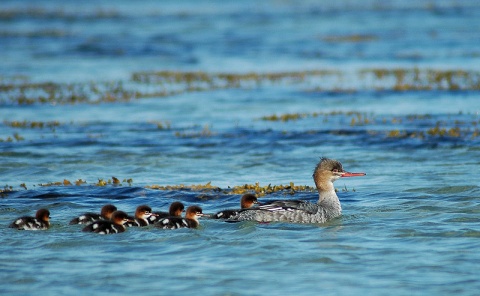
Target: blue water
x=83 y=96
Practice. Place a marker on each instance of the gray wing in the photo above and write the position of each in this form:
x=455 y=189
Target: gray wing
x=288 y=205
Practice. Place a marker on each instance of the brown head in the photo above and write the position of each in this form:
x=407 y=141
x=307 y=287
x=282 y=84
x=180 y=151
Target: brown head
x=193 y=212
x=43 y=215
x=143 y=212
x=248 y=200
x=176 y=209
x=329 y=170
x=120 y=217
x=107 y=211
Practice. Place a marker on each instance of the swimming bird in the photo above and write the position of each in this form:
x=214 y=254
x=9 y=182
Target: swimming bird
x=190 y=220
x=114 y=225
x=41 y=221
x=142 y=214
x=299 y=211
x=176 y=209
x=247 y=201
x=105 y=214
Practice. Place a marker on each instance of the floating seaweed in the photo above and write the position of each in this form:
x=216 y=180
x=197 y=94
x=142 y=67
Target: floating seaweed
x=284 y=117
x=350 y=38
x=457 y=129
x=50 y=184
x=159 y=84
x=32 y=124
x=425 y=79
x=291 y=188
x=196 y=187
x=296 y=116
x=16 y=137
x=204 y=133
x=204 y=80
x=452 y=128
x=161 y=125
x=241 y=189
x=102 y=182
x=80 y=182
x=6 y=189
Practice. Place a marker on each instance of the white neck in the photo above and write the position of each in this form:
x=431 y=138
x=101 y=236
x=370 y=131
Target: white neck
x=329 y=201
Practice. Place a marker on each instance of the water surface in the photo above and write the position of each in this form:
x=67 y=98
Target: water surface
x=220 y=95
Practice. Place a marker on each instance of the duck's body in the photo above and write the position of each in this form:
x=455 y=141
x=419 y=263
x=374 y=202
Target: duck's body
x=115 y=225
x=142 y=214
x=190 y=220
x=298 y=211
x=247 y=201
x=41 y=221
x=86 y=218
x=176 y=209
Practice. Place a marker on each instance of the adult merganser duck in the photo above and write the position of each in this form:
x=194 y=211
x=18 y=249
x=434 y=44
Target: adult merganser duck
x=247 y=201
x=176 y=209
x=142 y=214
x=41 y=221
x=115 y=225
x=299 y=211
x=105 y=214
x=190 y=220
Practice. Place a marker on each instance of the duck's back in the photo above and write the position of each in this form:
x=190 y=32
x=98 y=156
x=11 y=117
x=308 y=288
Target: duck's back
x=29 y=223
x=226 y=214
x=137 y=223
x=159 y=216
x=103 y=227
x=86 y=218
x=175 y=223
x=296 y=211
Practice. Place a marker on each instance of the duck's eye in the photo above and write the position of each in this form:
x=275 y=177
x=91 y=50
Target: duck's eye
x=335 y=170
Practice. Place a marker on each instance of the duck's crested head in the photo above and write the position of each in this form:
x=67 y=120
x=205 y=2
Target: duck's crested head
x=120 y=217
x=327 y=171
x=107 y=211
x=248 y=200
x=176 y=209
x=43 y=215
x=143 y=212
x=328 y=164
x=194 y=212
